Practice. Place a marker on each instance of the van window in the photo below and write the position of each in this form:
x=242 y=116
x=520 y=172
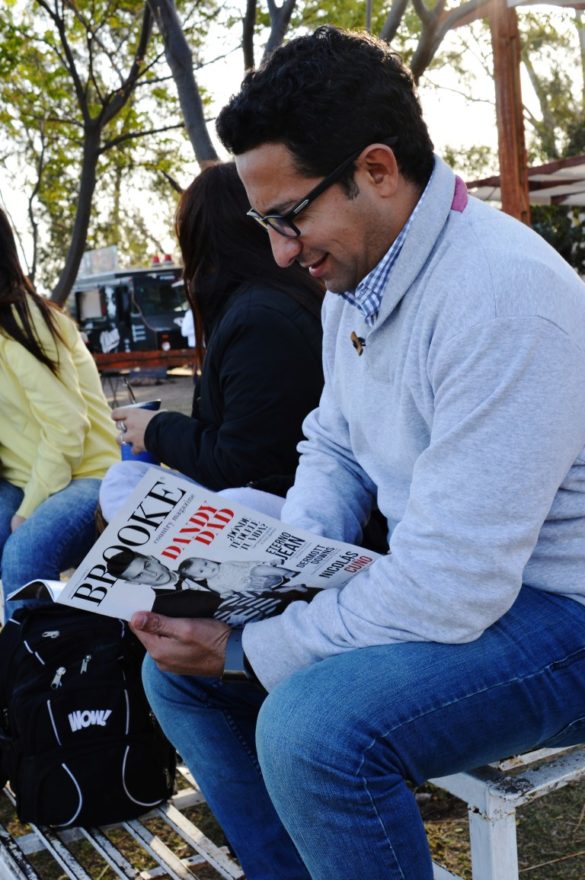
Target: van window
x=156 y=296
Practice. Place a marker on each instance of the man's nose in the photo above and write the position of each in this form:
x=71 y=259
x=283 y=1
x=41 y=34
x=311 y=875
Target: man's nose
x=284 y=250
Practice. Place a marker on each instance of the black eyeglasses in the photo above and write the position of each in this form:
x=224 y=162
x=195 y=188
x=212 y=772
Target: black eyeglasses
x=283 y=223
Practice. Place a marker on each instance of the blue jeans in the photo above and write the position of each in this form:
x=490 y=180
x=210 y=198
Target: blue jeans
x=331 y=749
x=55 y=537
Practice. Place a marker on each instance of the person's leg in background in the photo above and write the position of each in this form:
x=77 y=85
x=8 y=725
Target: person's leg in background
x=118 y=482
x=338 y=741
x=57 y=536
x=10 y=499
x=123 y=476
x=211 y=724
x=263 y=502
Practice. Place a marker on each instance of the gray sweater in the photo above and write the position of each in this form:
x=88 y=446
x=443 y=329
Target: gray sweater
x=465 y=419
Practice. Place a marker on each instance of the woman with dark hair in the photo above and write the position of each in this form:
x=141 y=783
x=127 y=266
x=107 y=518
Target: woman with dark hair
x=261 y=370
x=56 y=435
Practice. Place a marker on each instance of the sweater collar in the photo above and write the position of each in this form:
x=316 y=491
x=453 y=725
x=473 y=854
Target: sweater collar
x=445 y=193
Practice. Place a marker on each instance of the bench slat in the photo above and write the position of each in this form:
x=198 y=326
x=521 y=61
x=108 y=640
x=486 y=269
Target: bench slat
x=14 y=864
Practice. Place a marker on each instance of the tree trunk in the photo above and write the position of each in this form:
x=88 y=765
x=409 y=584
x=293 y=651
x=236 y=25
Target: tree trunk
x=91 y=153
x=248 y=25
x=509 y=111
x=580 y=25
x=180 y=61
x=546 y=128
x=279 y=21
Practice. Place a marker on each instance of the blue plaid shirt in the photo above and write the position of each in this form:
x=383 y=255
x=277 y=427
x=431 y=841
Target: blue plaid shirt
x=369 y=292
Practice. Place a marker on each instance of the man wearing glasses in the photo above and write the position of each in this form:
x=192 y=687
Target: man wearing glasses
x=454 y=355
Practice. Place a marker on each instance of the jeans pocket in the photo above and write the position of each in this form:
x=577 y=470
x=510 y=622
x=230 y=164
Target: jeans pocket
x=569 y=660
x=572 y=734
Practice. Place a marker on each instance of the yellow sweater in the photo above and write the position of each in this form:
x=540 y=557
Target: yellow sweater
x=52 y=429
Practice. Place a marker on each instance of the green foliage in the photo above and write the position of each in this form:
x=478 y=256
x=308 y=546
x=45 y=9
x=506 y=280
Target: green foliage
x=48 y=103
x=553 y=59
x=351 y=15
x=472 y=163
x=575 y=138
x=43 y=124
x=124 y=216
x=345 y=13
x=564 y=229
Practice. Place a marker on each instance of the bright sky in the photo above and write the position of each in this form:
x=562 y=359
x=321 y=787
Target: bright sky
x=452 y=119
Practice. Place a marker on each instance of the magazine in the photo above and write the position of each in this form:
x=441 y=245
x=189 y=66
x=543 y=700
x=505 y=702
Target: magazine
x=178 y=549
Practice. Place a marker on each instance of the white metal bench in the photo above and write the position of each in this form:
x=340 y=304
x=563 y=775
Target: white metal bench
x=493 y=795
x=152 y=855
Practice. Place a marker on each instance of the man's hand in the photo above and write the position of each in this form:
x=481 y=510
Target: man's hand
x=184 y=646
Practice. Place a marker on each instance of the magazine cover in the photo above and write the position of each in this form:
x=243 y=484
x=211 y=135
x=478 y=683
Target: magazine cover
x=183 y=551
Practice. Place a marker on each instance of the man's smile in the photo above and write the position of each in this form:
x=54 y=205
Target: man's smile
x=316 y=268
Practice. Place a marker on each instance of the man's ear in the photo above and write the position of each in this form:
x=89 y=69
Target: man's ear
x=379 y=163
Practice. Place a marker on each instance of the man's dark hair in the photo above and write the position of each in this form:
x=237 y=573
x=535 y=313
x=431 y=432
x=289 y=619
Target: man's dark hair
x=326 y=95
x=119 y=562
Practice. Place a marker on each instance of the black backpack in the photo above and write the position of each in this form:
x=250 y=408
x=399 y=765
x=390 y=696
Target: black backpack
x=78 y=740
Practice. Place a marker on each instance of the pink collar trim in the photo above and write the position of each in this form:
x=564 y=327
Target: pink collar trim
x=460 y=197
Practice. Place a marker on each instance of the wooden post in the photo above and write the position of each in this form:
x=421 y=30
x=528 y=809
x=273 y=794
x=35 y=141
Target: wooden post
x=509 y=111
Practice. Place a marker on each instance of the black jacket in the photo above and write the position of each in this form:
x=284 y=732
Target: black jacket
x=262 y=375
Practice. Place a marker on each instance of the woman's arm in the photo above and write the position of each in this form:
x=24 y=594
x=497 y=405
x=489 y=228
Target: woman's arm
x=261 y=378
x=54 y=412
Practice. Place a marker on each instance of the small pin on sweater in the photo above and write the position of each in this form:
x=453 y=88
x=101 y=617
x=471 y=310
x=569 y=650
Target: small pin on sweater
x=358 y=342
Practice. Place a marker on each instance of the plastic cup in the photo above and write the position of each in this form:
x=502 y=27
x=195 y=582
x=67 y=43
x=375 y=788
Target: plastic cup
x=126 y=448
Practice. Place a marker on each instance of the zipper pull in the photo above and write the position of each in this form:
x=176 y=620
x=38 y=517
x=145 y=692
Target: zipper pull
x=58 y=676
x=84 y=663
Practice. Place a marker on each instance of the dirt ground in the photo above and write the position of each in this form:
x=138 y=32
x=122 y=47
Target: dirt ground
x=175 y=388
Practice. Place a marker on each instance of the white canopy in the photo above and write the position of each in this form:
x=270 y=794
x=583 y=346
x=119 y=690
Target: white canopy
x=561 y=182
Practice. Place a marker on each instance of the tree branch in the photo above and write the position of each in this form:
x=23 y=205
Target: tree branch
x=174 y=183
x=92 y=34
x=463 y=14
x=69 y=59
x=119 y=99
x=40 y=165
x=279 y=21
x=393 y=20
x=434 y=28
x=425 y=15
x=134 y=135
x=248 y=25
x=180 y=60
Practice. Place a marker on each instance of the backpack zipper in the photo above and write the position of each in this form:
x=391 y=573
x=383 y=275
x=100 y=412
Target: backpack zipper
x=58 y=676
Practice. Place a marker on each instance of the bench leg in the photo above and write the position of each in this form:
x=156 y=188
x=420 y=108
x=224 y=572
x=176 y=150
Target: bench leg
x=494 y=851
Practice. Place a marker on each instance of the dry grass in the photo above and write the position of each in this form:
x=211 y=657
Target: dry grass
x=551 y=834
x=97 y=868
x=551 y=838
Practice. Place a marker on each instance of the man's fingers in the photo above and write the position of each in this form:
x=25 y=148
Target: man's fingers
x=155 y=624
x=184 y=646
x=182 y=629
